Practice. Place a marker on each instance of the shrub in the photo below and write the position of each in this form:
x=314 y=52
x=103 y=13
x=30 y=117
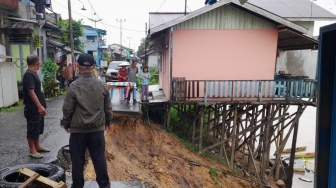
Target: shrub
x=50 y=85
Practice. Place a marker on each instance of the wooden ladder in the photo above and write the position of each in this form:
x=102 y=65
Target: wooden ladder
x=45 y=182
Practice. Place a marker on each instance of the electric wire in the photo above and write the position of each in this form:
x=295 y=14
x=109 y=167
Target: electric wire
x=161 y=5
x=126 y=29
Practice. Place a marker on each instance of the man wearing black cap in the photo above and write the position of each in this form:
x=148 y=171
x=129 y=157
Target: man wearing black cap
x=87 y=112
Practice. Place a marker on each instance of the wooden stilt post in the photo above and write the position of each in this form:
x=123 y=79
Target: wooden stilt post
x=292 y=155
x=278 y=141
x=168 y=116
x=233 y=147
x=265 y=147
x=201 y=129
x=194 y=125
x=223 y=136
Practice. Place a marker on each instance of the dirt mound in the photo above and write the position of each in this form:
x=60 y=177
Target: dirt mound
x=137 y=151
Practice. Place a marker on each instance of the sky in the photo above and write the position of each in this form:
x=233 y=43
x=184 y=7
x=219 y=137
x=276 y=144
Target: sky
x=134 y=14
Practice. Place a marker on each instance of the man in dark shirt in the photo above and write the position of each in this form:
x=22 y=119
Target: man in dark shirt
x=35 y=107
x=87 y=112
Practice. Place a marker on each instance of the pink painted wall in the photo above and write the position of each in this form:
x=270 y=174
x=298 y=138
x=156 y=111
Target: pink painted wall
x=225 y=54
x=220 y=55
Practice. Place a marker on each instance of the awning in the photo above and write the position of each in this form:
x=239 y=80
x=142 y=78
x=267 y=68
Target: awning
x=292 y=40
x=55 y=43
x=68 y=49
x=18 y=25
x=62 y=46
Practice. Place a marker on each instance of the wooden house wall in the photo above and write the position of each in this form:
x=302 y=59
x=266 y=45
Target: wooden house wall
x=223 y=44
x=226 y=17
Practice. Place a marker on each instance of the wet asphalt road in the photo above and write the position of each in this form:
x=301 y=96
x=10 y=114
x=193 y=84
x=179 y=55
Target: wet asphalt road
x=14 y=147
x=13 y=142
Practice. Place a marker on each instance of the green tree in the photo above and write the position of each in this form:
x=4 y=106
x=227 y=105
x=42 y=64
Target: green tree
x=78 y=30
x=141 y=48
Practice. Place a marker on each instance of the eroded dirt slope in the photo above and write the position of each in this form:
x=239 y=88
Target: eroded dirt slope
x=138 y=151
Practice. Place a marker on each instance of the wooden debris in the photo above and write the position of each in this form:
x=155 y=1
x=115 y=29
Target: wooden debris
x=33 y=176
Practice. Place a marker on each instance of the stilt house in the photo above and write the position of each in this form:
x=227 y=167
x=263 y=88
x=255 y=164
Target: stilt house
x=217 y=69
x=228 y=51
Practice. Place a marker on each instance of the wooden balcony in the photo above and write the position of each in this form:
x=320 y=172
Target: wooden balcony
x=296 y=91
x=10 y=4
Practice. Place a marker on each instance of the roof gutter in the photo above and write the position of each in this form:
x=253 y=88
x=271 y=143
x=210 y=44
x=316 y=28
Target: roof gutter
x=20 y=19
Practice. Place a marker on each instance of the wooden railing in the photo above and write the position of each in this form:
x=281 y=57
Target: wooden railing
x=211 y=89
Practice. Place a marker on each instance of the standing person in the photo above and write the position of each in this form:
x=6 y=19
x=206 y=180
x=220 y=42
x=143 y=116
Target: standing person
x=132 y=71
x=35 y=107
x=145 y=77
x=87 y=113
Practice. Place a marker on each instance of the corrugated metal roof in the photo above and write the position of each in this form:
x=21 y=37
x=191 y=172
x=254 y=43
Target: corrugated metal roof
x=55 y=43
x=158 y=18
x=18 y=25
x=247 y=6
x=294 y=10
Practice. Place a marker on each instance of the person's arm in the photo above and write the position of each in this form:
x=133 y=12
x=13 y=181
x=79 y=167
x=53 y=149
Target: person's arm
x=68 y=109
x=107 y=107
x=42 y=111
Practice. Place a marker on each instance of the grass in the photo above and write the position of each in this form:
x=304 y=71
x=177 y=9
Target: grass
x=17 y=106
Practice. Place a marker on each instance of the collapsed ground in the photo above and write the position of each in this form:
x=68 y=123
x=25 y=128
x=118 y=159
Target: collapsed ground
x=148 y=154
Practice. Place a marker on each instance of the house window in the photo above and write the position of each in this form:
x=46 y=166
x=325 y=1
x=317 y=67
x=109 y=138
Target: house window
x=90 y=38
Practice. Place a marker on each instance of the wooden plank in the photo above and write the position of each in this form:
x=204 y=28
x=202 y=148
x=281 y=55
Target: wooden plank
x=29 y=181
x=43 y=180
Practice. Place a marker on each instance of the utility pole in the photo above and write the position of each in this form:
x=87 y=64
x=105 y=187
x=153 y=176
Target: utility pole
x=145 y=44
x=121 y=47
x=121 y=21
x=129 y=42
x=71 y=40
x=185 y=7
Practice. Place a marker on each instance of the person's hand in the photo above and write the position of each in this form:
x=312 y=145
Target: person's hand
x=107 y=127
x=42 y=111
x=67 y=130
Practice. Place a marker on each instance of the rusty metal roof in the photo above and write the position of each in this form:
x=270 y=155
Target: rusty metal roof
x=18 y=25
x=295 y=10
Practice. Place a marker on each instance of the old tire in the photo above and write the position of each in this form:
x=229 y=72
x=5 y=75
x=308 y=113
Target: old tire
x=10 y=177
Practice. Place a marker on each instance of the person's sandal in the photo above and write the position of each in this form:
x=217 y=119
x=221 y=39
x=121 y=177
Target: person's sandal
x=43 y=150
x=35 y=155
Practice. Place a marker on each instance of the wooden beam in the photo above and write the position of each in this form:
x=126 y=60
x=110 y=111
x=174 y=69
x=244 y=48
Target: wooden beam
x=43 y=180
x=29 y=181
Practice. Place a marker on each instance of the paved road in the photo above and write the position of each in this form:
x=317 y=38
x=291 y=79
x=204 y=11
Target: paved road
x=14 y=147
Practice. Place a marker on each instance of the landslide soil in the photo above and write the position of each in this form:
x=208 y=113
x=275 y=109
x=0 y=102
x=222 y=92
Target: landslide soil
x=148 y=154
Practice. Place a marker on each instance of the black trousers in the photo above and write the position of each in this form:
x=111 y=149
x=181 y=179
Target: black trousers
x=95 y=143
